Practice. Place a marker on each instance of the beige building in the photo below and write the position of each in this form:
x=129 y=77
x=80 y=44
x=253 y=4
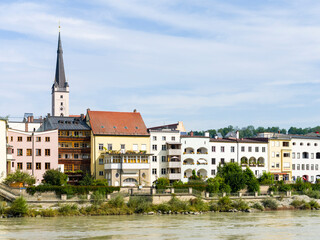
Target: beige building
x=120 y=148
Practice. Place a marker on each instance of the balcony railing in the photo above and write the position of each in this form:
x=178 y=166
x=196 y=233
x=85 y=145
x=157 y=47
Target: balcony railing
x=174 y=176
x=174 y=152
x=174 y=164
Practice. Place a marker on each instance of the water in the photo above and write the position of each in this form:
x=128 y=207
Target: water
x=262 y=225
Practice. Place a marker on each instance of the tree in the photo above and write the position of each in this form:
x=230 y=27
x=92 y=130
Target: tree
x=20 y=177
x=55 y=178
x=162 y=183
x=19 y=207
x=87 y=180
x=233 y=176
x=266 y=179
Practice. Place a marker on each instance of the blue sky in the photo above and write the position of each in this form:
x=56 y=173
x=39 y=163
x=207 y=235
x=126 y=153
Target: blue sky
x=205 y=62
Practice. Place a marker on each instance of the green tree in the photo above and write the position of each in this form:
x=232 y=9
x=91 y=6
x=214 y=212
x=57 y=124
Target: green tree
x=162 y=183
x=266 y=179
x=55 y=178
x=19 y=207
x=233 y=176
x=20 y=177
x=87 y=180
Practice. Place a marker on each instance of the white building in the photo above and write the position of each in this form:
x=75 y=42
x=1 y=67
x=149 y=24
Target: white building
x=166 y=149
x=305 y=157
x=3 y=149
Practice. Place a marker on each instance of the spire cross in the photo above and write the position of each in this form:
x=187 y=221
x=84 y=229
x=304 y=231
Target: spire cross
x=59 y=26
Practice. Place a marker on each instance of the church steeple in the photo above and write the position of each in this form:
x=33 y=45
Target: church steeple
x=60 y=87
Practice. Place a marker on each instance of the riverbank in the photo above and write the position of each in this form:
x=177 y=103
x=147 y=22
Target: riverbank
x=144 y=205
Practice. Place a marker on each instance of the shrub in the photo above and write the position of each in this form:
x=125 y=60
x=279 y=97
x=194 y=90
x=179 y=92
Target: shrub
x=177 y=205
x=100 y=182
x=272 y=188
x=283 y=187
x=197 y=204
x=314 y=204
x=19 y=207
x=117 y=202
x=140 y=204
x=163 y=207
x=87 y=180
x=301 y=186
x=20 y=177
x=297 y=203
x=97 y=198
x=240 y=205
x=2 y=207
x=162 y=183
x=48 y=213
x=68 y=209
x=266 y=179
x=55 y=178
x=258 y=206
x=224 y=204
x=312 y=194
x=213 y=206
x=270 y=203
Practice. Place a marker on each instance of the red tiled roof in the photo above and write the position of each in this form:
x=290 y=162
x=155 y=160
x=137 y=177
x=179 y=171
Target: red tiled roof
x=117 y=123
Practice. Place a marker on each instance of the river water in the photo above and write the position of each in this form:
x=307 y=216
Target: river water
x=262 y=225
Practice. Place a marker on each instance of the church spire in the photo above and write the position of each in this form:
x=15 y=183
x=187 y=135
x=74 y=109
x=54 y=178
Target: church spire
x=60 y=77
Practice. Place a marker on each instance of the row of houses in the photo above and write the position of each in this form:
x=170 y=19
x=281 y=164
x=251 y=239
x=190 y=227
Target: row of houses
x=118 y=146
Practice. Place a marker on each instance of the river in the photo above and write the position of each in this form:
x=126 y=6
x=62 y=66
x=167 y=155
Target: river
x=262 y=225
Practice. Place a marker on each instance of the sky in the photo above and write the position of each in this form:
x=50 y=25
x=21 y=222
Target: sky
x=207 y=63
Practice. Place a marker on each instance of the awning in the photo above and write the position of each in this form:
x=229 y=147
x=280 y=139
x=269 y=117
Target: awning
x=202 y=161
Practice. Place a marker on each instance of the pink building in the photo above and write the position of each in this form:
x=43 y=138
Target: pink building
x=34 y=152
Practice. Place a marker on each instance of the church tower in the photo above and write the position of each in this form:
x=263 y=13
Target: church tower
x=60 y=87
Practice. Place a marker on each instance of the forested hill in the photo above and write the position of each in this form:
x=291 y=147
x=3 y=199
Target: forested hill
x=251 y=131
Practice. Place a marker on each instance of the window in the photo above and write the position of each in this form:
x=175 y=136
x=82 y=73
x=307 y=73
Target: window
x=272 y=143
x=28 y=139
x=256 y=172
x=213 y=161
x=312 y=155
x=285 y=144
x=242 y=149
x=301 y=144
x=312 y=178
x=213 y=172
x=154 y=147
x=164 y=147
x=28 y=165
x=213 y=148
x=232 y=149
x=298 y=155
x=100 y=161
x=293 y=155
x=19 y=166
x=173 y=138
x=307 y=166
x=232 y=160
x=277 y=154
x=38 y=166
x=272 y=165
x=123 y=146
x=249 y=149
x=47 y=165
x=47 y=139
x=298 y=166
x=294 y=143
x=76 y=145
x=263 y=149
x=154 y=138
x=109 y=146
x=19 y=152
x=277 y=144
x=29 y=152
x=302 y=166
x=143 y=147
x=76 y=156
x=11 y=139
x=154 y=171
x=222 y=148
x=154 y=158
x=100 y=146
x=76 y=133
x=163 y=159
x=100 y=173
x=19 y=139
x=47 y=152
x=273 y=154
x=38 y=152
x=61 y=96
x=312 y=166
x=38 y=139
x=308 y=144
x=163 y=138
x=293 y=167
x=316 y=167
x=257 y=149
x=286 y=165
x=61 y=104
x=316 y=144
x=277 y=165
x=135 y=147
x=222 y=160
x=286 y=154
x=163 y=171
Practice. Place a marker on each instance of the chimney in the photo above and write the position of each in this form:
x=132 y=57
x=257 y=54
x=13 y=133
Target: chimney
x=237 y=134
x=134 y=110
x=31 y=119
x=82 y=116
x=191 y=134
x=48 y=115
x=206 y=134
x=26 y=126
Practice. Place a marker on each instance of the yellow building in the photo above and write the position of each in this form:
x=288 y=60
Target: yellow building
x=279 y=156
x=119 y=148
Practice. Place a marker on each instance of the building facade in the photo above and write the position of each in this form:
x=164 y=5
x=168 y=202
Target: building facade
x=34 y=152
x=120 y=149
x=3 y=149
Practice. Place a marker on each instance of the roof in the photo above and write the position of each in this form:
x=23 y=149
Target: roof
x=65 y=123
x=168 y=126
x=117 y=123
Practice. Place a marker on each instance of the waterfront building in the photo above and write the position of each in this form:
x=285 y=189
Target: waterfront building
x=120 y=149
x=279 y=155
x=3 y=149
x=165 y=146
x=60 y=87
x=34 y=152
x=74 y=144
x=28 y=124
x=305 y=157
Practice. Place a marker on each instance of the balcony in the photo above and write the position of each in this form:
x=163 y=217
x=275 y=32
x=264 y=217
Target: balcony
x=174 y=176
x=108 y=166
x=174 y=164
x=172 y=152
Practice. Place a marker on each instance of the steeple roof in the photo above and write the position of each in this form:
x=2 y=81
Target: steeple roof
x=60 y=77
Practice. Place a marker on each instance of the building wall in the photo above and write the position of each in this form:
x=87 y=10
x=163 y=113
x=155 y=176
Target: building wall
x=159 y=161
x=305 y=158
x=33 y=146
x=97 y=170
x=3 y=149
x=25 y=126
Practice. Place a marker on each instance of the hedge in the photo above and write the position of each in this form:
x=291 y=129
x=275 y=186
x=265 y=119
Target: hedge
x=194 y=186
x=71 y=190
